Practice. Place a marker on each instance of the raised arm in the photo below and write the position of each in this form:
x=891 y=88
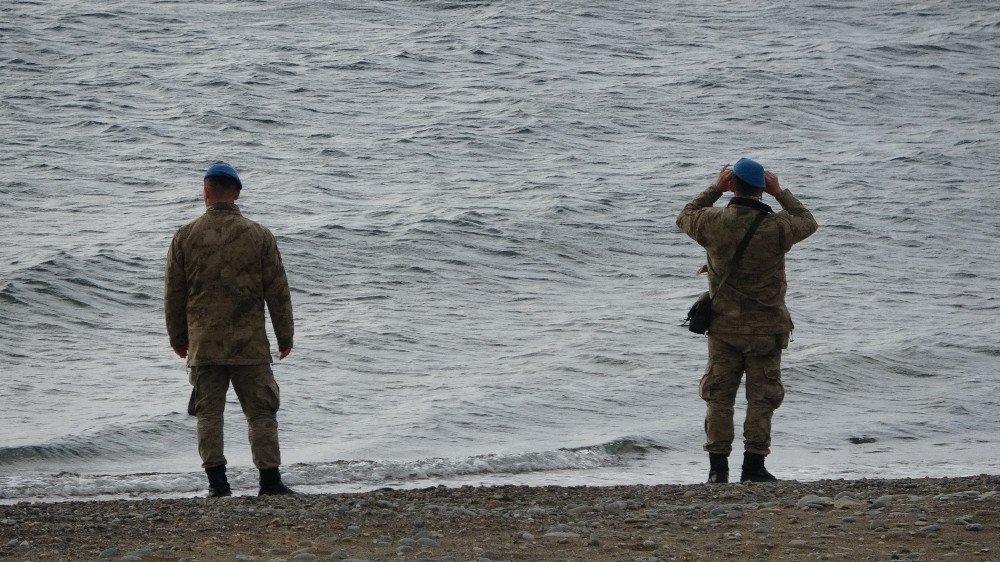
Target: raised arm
x=797 y=222
x=687 y=221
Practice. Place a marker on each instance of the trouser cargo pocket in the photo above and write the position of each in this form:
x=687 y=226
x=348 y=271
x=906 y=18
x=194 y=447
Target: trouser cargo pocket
x=774 y=391
x=272 y=395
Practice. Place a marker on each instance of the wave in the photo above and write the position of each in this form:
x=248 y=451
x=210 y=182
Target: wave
x=373 y=473
x=89 y=291
x=152 y=436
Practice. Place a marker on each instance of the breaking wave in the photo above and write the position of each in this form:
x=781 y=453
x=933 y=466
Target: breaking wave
x=366 y=473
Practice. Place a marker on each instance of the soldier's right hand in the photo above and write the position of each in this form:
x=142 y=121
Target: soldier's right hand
x=181 y=351
x=771 y=186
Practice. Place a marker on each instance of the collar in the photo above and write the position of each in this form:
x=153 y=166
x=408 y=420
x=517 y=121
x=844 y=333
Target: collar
x=752 y=203
x=224 y=207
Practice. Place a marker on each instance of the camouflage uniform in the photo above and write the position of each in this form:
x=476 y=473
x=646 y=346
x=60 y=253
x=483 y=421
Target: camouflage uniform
x=750 y=323
x=221 y=270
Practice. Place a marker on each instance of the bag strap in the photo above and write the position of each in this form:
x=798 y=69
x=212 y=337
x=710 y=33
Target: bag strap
x=740 y=249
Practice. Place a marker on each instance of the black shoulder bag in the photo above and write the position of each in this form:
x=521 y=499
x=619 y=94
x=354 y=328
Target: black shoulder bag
x=700 y=315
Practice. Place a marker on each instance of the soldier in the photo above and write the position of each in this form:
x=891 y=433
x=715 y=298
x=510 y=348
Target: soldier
x=750 y=323
x=221 y=270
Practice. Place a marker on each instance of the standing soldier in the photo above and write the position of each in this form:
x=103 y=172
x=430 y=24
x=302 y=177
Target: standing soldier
x=750 y=323
x=221 y=270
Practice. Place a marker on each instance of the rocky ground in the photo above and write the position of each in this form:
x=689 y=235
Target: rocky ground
x=922 y=519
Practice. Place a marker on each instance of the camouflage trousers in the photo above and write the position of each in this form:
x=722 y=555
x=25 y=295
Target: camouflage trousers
x=729 y=356
x=257 y=392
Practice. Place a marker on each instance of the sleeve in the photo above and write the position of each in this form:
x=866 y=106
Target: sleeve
x=797 y=222
x=175 y=295
x=277 y=294
x=687 y=221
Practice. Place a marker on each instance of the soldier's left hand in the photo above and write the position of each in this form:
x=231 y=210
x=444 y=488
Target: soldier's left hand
x=181 y=351
x=724 y=181
x=283 y=352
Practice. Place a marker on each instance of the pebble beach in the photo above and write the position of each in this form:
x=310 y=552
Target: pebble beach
x=906 y=519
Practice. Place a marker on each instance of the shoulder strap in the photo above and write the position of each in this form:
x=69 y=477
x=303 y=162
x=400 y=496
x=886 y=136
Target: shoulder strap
x=740 y=249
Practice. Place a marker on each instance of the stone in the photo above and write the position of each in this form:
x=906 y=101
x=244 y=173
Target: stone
x=880 y=502
x=812 y=501
x=425 y=534
x=847 y=503
x=339 y=555
x=973 y=527
x=106 y=554
x=798 y=543
x=581 y=510
x=561 y=535
x=526 y=536
x=615 y=507
x=427 y=541
x=406 y=542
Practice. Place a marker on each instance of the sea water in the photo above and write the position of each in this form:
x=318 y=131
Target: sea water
x=475 y=202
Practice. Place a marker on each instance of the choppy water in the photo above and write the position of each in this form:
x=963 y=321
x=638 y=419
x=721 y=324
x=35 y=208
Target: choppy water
x=475 y=202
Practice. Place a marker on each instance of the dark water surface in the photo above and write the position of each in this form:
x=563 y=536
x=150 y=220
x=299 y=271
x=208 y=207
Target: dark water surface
x=476 y=202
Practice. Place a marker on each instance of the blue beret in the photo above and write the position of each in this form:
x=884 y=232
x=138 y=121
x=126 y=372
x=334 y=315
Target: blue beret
x=750 y=172
x=224 y=170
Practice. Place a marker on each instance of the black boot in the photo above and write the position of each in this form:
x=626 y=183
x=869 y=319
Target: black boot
x=218 y=486
x=270 y=483
x=753 y=469
x=718 y=472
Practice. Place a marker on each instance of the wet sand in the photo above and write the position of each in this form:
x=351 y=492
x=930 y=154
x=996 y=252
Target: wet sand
x=918 y=519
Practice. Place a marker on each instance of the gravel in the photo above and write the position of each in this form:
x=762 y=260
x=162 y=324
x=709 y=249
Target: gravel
x=944 y=518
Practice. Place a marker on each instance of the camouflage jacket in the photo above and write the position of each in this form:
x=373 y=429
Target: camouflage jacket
x=753 y=301
x=221 y=270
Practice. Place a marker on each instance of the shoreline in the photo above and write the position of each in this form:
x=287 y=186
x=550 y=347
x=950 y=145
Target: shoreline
x=923 y=518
